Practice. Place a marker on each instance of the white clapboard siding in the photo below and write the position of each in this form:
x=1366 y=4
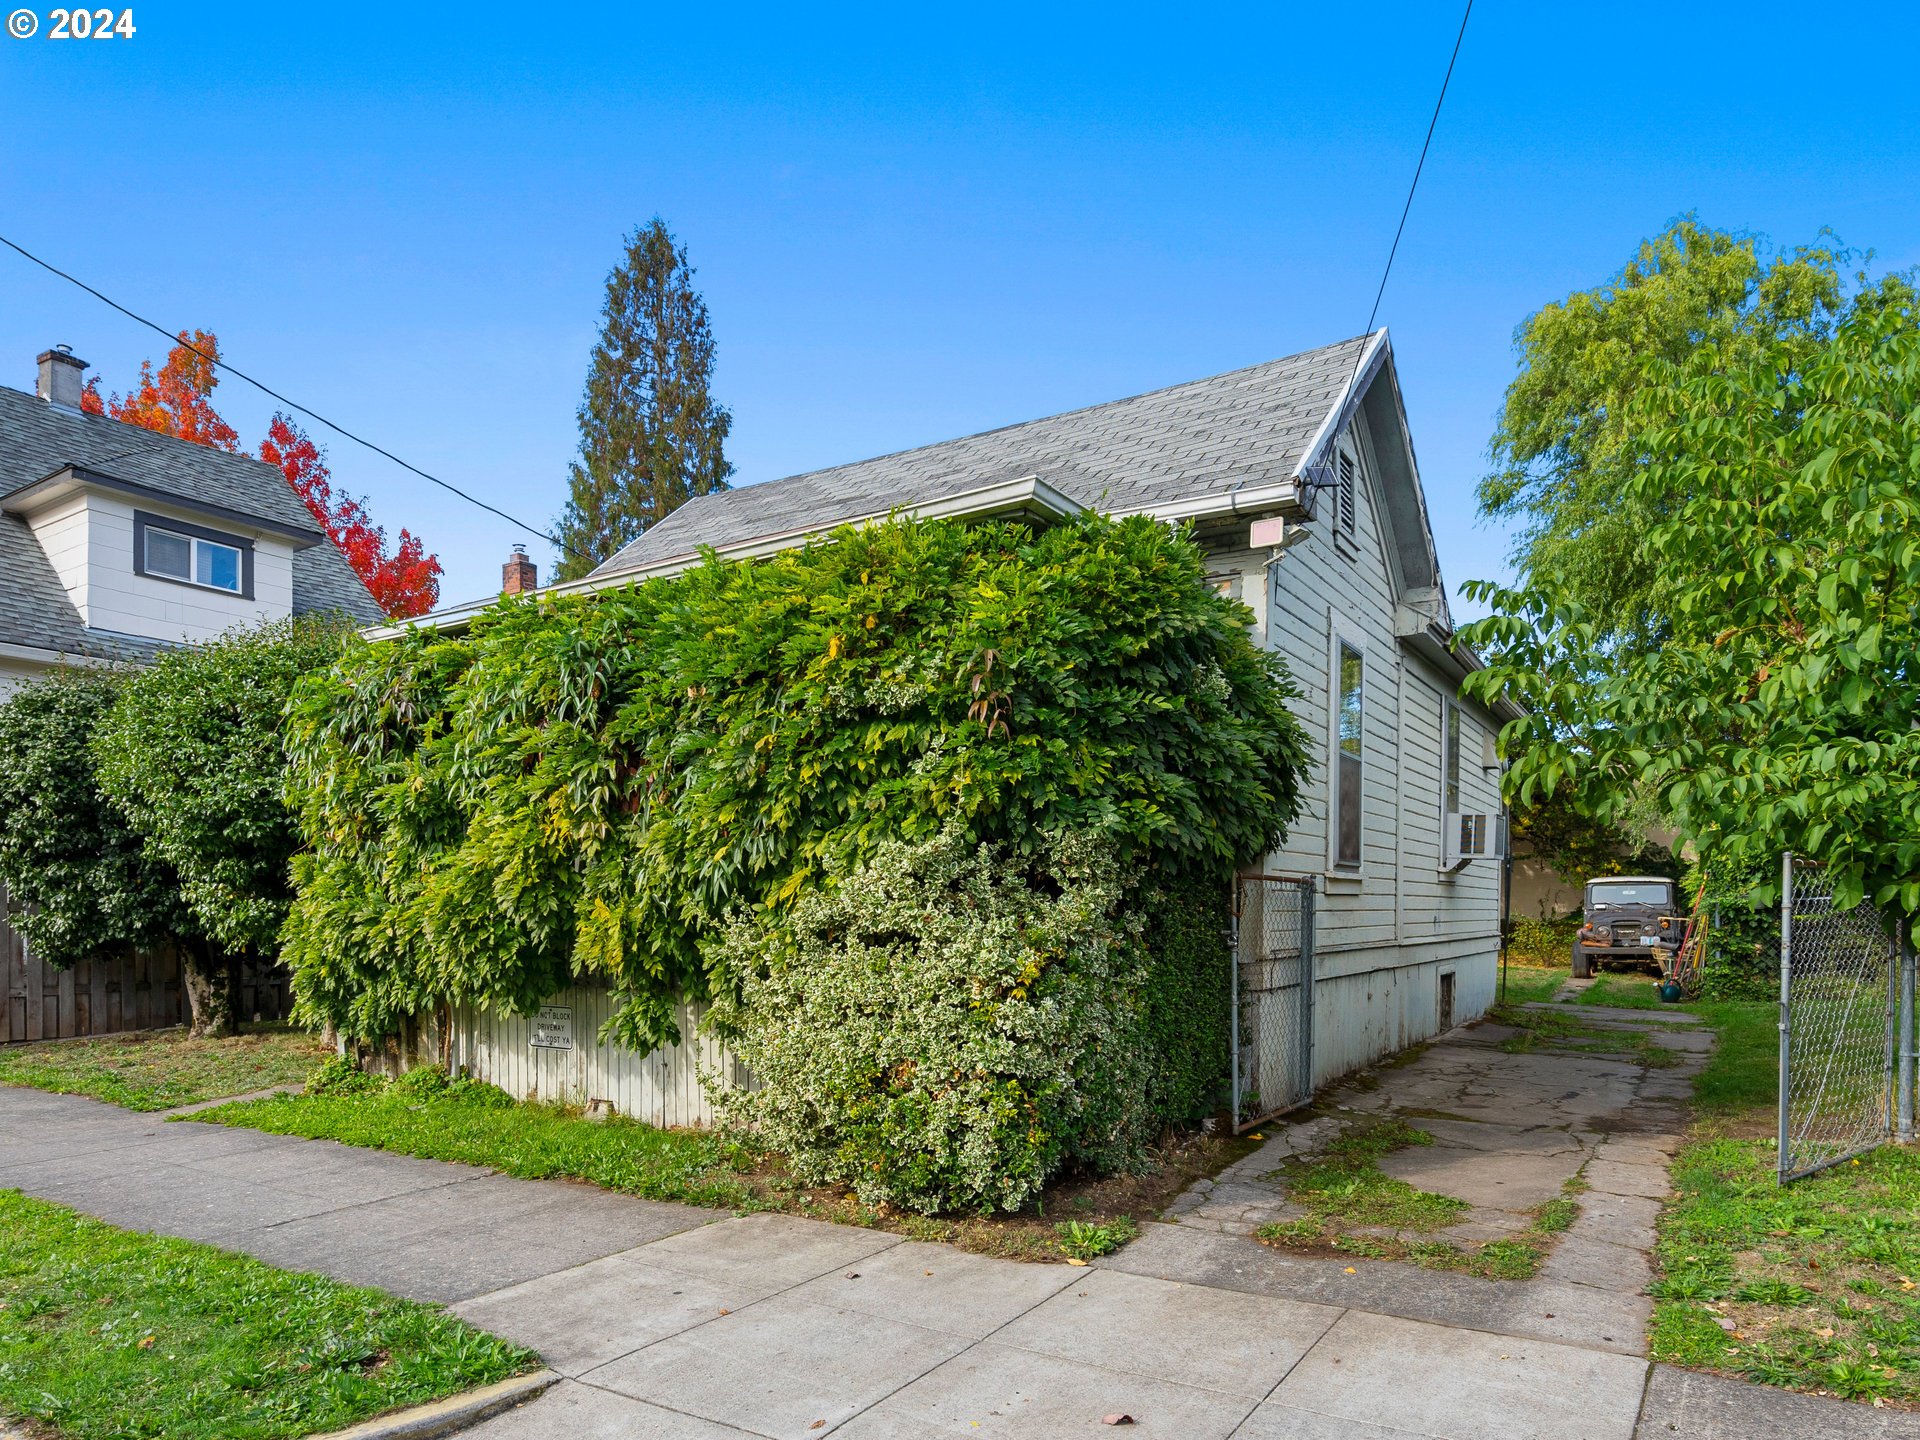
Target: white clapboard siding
x=661 y=1087
x=1383 y=938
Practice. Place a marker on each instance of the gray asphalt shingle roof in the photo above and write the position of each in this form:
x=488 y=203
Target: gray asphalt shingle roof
x=1246 y=427
x=36 y=440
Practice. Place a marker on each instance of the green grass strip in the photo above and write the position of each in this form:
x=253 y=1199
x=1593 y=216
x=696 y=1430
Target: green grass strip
x=476 y=1124
x=159 y=1070
x=106 y=1334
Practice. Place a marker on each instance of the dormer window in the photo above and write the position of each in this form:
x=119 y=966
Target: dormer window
x=167 y=549
x=200 y=562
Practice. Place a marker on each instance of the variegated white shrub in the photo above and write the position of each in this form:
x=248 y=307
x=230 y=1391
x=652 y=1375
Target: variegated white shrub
x=948 y=1026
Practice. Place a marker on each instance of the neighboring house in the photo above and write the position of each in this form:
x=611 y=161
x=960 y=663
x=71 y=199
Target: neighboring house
x=116 y=542
x=1299 y=481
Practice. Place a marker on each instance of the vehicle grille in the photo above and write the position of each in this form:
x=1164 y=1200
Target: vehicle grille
x=1627 y=932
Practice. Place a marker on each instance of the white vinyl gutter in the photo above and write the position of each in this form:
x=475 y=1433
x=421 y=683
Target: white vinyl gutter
x=38 y=655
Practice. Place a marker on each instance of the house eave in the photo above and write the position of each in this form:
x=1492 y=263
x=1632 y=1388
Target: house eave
x=50 y=659
x=1441 y=648
x=1028 y=497
x=1281 y=497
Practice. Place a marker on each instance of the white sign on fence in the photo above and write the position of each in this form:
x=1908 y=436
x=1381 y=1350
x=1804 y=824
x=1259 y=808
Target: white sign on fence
x=553 y=1028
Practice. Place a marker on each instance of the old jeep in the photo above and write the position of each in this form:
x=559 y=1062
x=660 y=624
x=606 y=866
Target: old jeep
x=1634 y=919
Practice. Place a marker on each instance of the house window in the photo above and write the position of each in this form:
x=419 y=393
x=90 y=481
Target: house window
x=1348 y=730
x=1450 y=757
x=166 y=549
x=197 y=561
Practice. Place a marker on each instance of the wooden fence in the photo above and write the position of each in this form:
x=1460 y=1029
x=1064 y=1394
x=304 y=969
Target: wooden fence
x=556 y=1055
x=139 y=990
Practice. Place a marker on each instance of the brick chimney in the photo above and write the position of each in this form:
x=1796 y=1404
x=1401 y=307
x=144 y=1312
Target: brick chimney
x=519 y=575
x=60 y=383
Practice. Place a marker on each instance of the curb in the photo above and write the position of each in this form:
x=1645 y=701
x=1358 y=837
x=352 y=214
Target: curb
x=444 y=1417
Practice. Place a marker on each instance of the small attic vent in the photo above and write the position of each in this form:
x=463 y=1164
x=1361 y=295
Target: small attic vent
x=1349 y=501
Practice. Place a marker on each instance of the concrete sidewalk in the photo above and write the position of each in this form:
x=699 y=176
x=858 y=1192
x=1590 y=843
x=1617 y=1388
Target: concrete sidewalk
x=671 y=1321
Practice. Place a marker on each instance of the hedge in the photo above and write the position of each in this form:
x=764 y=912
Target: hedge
x=79 y=881
x=598 y=785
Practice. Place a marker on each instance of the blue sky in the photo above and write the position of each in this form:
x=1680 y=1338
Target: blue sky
x=909 y=224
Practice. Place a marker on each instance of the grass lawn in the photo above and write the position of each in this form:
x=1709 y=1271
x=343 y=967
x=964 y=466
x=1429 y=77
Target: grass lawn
x=1812 y=1286
x=425 y=1115
x=1528 y=983
x=157 y=1070
x=109 y=1333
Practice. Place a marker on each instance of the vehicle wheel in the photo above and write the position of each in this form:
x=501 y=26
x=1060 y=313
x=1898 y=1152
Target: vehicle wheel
x=1582 y=963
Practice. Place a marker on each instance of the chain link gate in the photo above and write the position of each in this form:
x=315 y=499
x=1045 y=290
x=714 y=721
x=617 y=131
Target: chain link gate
x=1840 y=979
x=1272 y=1005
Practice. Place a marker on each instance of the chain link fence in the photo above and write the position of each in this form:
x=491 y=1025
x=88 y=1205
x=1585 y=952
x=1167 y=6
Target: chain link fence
x=1840 y=980
x=1272 y=1026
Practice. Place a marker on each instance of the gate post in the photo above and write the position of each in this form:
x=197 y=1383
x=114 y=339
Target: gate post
x=1786 y=990
x=1233 y=1001
x=1307 y=969
x=1903 y=1085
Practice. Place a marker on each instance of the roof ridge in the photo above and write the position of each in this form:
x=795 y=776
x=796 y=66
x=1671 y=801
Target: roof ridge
x=1057 y=415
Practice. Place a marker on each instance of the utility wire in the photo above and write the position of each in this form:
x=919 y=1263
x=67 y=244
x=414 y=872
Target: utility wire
x=1406 y=209
x=1360 y=358
x=313 y=415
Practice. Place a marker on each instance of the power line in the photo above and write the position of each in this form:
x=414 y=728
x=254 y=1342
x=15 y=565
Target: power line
x=313 y=415
x=1407 y=208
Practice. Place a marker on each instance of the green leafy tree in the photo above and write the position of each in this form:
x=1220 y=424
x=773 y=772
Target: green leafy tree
x=599 y=784
x=1567 y=454
x=78 y=881
x=651 y=437
x=193 y=753
x=1578 y=847
x=1781 y=710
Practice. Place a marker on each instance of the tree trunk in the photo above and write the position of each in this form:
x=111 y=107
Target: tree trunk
x=209 y=985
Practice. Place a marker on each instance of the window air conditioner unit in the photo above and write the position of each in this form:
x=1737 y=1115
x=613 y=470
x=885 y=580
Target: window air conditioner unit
x=1470 y=836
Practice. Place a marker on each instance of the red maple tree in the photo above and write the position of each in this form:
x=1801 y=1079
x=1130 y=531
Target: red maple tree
x=407 y=582
x=176 y=402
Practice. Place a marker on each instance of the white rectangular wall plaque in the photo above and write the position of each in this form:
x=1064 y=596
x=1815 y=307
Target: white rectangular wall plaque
x=553 y=1028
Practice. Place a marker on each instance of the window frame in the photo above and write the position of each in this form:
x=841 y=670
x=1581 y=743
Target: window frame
x=1452 y=791
x=1339 y=640
x=196 y=536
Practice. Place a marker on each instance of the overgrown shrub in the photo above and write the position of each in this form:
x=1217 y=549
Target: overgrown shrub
x=193 y=753
x=597 y=785
x=949 y=1024
x=1532 y=941
x=78 y=880
x=1743 y=936
x=1188 y=992
x=337 y=1075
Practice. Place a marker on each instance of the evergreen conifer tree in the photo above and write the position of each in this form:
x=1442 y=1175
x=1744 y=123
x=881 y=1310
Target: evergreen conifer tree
x=651 y=436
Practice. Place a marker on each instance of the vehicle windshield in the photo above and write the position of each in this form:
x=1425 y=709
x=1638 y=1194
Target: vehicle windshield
x=1645 y=892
